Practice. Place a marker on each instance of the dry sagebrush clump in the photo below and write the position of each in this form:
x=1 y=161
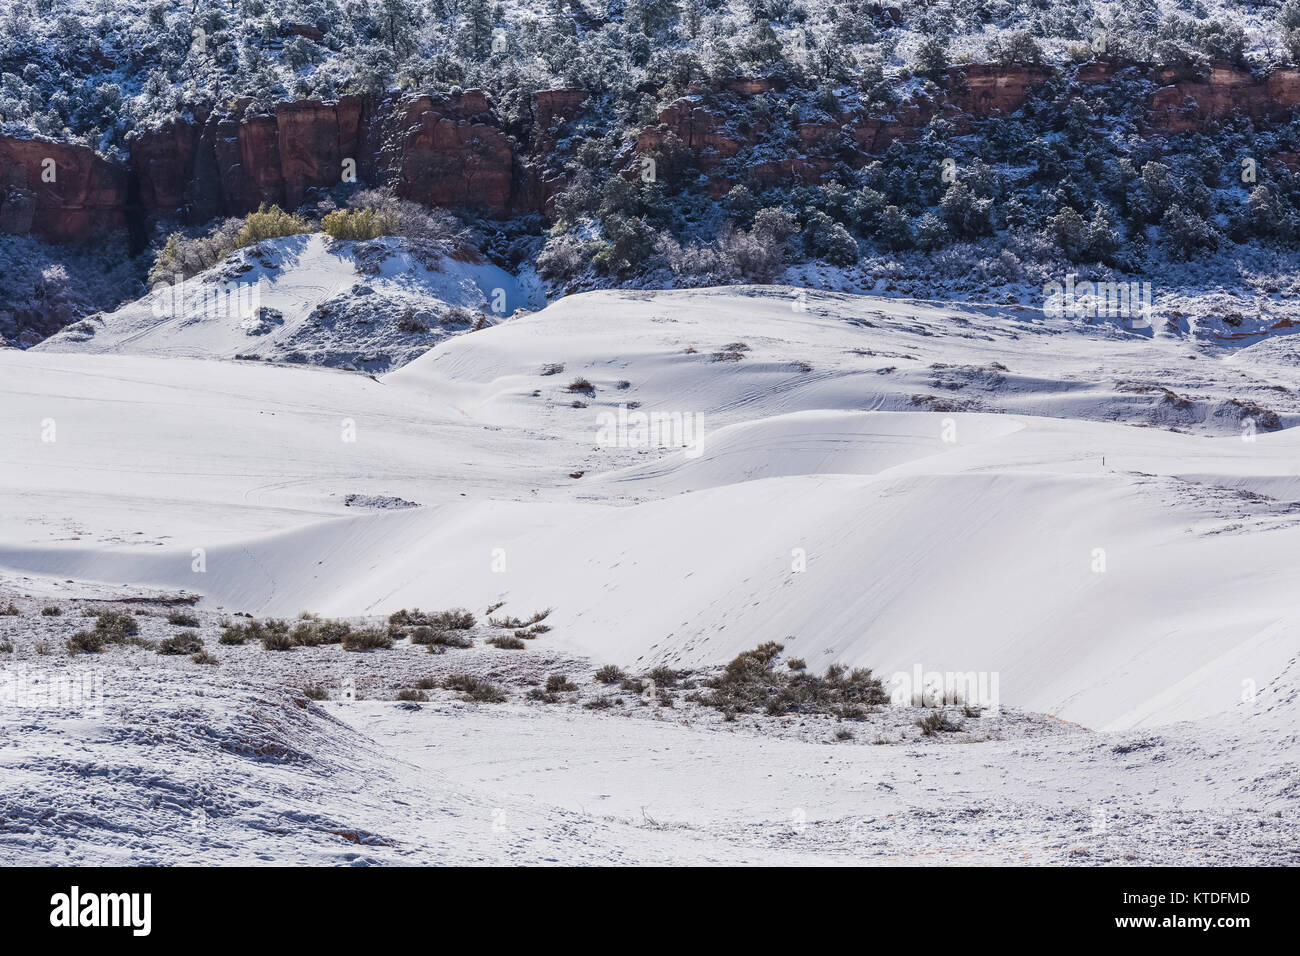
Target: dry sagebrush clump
x=368 y=639
x=474 y=688
x=111 y=627
x=752 y=682
x=186 y=642
x=275 y=634
x=455 y=619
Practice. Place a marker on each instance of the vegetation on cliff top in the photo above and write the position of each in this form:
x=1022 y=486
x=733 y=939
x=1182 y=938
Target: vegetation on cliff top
x=1073 y=181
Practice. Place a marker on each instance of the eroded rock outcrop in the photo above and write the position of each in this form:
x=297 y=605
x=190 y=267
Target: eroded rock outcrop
x=227 y=163
x=705 y=130
x=701 y=129
x=437 y=149
x=59 y=191
x=454 y=149
x=314 y=142
x=447 y=150
x=1186 y=104
x=981 y=90
x=543 y=171
x=550 y=106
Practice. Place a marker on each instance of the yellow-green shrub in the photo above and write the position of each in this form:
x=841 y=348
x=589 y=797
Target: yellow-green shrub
x=185 y=257
x=270 y=224
x=364 y=223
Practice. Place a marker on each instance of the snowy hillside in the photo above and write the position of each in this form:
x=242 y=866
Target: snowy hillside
x=933 y=531
x=368 y=306
x=1102 y=522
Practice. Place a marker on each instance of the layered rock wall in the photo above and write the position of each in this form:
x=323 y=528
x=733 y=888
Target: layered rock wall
x=453 y=150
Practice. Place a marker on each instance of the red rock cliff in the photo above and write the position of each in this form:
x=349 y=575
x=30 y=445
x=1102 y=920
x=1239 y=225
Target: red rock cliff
x=708 y=130
x=228 y=163
x=59 y=191
x=1183 y=105
x=441 y=150
x=454 y=150
x=447 y=151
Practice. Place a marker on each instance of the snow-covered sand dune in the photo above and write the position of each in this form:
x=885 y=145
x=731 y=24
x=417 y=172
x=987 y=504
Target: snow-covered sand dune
x=850 y=493
x=312 y=300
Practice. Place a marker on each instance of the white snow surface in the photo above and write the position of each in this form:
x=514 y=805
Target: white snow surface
x=975 y=552
x=326 y=302
x=1101 y=519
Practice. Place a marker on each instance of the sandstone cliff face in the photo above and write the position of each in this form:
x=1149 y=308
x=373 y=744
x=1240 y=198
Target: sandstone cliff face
x=441 y=150
x=1099 y=71
x=1186 y=102
x=447 y=151
x=550 y=106
x=1181 y=106
x=453 y=150
x=709 y=133
x=704 y=131
x=163 y=160
x=543 y=172
x=59 y=191
x=314 y=140
x=981 y=90
x=228 y=163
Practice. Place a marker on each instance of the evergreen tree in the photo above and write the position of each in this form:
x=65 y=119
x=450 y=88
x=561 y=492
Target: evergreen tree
x=1102 y=241
x=1185 y=233
x=964 y=214
x=397 y=25
x=931 y=232
x=893 y=229
x=932 y=57
x=474 y=36
x=1069 y=231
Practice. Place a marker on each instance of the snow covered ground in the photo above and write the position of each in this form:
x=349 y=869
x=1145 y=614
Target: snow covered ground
x=312 y=300
x=1104 y=521
x=161 y=760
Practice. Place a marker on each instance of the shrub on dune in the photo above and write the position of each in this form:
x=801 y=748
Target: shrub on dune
x=186 y=642
x=239 y=634
x=85 y=642
x=115 y=626
x=368 y=639
x=937 y=723
x=314 y=633
x=275 y=641
x=455 y=619
x=474 y=689
x=751 y=681
x=358 y=224
x=610 y=674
